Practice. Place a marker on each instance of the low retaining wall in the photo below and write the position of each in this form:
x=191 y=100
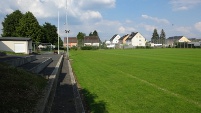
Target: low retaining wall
x=44 y=104
x=41 y=66
x=78 y=101
x=21 y=61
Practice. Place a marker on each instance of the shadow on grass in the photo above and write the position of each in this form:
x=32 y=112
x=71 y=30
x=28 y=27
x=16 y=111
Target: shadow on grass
x=91 y=105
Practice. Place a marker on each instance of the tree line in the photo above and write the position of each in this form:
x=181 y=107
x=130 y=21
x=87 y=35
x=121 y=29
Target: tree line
x=18 y=24
x=156 y=39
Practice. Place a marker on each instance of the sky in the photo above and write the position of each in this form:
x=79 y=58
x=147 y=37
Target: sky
x=110 y=17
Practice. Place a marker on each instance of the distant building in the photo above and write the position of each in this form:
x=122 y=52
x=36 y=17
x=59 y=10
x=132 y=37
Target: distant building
x=136 y=39
x=171 y=40
x=115 y=39
x=72 y=41
x=122 y=40
x=92 y=41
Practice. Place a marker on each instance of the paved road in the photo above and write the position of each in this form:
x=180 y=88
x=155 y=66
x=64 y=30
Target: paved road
x=64 y=97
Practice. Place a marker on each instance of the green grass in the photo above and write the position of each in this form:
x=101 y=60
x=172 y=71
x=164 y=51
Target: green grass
x=19 y=90
x=140 y=80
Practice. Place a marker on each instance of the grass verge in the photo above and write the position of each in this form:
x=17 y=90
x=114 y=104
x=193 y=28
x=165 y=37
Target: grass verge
x=19 y=90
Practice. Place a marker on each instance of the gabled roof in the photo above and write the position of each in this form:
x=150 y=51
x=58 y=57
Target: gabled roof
x=91 y=39
x=14 y=39
x=175 y=37
x=72 y=40
x=132 y=35
x=123 y=37
x=113 y=37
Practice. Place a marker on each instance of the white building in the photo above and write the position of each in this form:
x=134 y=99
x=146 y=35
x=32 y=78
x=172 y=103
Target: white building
x=136 y=39
x=113 y=41
x=16 y=44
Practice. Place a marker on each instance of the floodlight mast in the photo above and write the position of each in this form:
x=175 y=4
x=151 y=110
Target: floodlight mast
x=67 y=31
x=58 y=32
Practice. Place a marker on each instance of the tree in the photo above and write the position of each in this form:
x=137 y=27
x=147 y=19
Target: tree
x=90 y=34
x=50 y=33
x=29 y=27
x=162 y=37
x=95 y=33
x=155 y=37
x=10 y=24
x=80 y=38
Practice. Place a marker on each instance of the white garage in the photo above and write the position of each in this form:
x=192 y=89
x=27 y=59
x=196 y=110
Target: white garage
x=16 y=44
x=19 y=48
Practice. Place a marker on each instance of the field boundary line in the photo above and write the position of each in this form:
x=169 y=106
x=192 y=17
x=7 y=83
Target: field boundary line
x=165 y=90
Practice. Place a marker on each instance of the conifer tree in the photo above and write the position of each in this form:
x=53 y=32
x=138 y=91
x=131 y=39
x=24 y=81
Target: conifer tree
x=155 y=37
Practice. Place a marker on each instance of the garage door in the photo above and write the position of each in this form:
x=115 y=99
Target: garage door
x=19 y=48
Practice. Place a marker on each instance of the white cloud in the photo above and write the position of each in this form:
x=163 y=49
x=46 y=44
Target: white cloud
x=184 y=4
x=148 y=27
x=49 y=8
x=122 y=29
x=164 y=21
x=90 y=15
x=95 y=4
x=125 y=30
x=198 y=26
x=184 y=30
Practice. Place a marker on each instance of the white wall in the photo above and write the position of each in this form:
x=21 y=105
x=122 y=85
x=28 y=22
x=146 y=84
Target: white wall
x=116 y=39
x=138 y=40
x=10 y=45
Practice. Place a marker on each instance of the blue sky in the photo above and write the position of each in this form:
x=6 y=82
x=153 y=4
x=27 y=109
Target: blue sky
x=110 y=17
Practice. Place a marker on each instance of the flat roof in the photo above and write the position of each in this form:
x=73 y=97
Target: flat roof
x=14 y=39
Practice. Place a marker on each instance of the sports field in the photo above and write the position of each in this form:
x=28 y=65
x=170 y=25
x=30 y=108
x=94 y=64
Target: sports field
x=140 y=80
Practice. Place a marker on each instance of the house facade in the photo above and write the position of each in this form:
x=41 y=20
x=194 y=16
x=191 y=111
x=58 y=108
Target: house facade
x=72 y=41
x=122 y=40
x=91 y=41
x=174 y=39
x=115 y=39
x=136 y=39
x=16 y=44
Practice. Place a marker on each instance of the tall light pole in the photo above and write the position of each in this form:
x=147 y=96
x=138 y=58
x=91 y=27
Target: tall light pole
x=67 y=31
x=58 y=32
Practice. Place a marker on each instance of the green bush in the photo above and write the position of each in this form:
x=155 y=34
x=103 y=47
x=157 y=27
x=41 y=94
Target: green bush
x=73 y=48
x=89 y=48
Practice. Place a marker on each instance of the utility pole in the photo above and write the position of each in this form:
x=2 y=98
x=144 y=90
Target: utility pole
x=58 y=32
x=67 y=31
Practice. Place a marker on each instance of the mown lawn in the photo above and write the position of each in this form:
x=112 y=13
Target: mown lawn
x=140 y=80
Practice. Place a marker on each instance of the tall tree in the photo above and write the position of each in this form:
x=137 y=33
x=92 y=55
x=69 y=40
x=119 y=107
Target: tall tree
x=95 y=33
x=80 y=38
x=29 y=27
x=155 y=37
x=51 y=35
x=90 y=34
x=10 y=23
x=162 y=37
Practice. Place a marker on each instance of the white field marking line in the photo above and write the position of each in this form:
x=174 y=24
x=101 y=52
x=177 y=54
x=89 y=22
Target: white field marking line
x=157 y=87
x=164 y=90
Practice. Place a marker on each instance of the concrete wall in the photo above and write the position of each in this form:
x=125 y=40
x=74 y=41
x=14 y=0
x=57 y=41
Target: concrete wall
x=10 y=46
